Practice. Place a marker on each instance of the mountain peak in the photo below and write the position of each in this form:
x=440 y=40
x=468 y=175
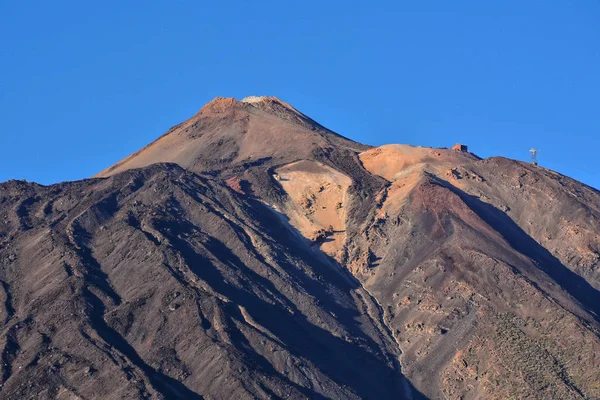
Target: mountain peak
x=283 y=110
x=220 y=104
x=262 y=102
x=257 y=101
x=270 y=104
x=273 y=105
x=226 y=132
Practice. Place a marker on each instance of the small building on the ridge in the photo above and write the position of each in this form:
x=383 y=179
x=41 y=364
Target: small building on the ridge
x=460 y=147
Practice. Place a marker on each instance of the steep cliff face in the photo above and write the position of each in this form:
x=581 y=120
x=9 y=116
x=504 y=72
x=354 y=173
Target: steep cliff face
x=252 y=253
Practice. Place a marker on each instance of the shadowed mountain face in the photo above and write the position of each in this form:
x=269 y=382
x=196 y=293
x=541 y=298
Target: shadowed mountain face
x=252 y=253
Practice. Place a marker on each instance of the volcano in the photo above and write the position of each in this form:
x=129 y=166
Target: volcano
x=250 y=252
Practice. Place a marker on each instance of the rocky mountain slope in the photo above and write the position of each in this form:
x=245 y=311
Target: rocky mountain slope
x=252 y=253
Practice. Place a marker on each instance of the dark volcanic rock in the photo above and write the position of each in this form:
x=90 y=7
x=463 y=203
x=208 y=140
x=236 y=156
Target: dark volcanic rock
x=159 y=282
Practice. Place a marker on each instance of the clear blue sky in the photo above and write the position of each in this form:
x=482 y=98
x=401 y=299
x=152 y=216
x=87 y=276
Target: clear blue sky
x=83 y=84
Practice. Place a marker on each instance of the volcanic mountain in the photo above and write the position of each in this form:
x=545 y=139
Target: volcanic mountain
x=250 y=252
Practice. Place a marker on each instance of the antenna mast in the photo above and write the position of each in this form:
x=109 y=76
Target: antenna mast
x=534 y=152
